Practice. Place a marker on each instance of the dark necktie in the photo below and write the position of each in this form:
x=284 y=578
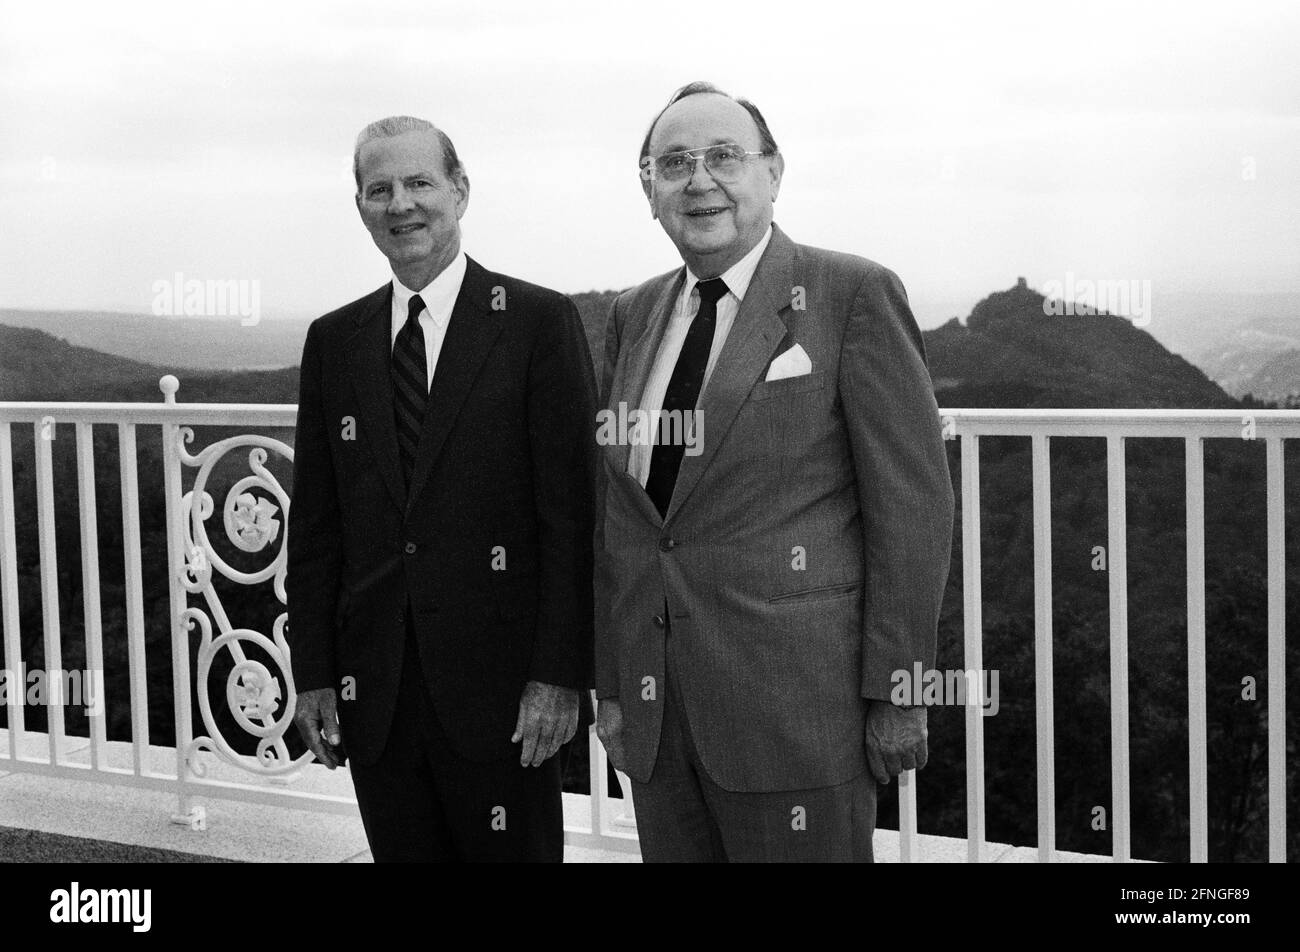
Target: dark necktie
x=410 y=386
x=683 y=392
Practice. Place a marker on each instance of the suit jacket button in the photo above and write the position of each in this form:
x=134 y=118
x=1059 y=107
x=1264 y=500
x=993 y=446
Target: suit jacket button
x=410 y=548
x=666 y=545
x=659 y=621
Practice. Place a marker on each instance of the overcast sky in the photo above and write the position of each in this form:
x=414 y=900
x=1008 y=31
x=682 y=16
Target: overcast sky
x=1139 y=140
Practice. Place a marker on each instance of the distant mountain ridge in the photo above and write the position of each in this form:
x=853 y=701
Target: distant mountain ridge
x=1008 y=353
x=178 y=343
x=1191 y=323
x=1246 y=343
x=1260 y=357
x=37 y=366
x=188 y=344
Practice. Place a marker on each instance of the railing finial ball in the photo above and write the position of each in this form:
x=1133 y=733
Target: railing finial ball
x=168 y=384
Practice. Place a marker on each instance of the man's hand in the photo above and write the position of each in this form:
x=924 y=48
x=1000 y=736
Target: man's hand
x=895 y=739
x=609 y=728
x=316 y=714
x=548 y=716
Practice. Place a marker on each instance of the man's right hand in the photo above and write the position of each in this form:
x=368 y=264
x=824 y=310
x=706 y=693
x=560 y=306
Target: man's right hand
x=609 y=728
x=316 y=717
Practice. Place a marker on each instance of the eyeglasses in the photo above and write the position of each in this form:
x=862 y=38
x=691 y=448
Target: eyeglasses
x=723 y=162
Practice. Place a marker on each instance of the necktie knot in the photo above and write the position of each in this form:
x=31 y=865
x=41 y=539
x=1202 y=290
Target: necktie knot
x=413 y=309
x=712 y=290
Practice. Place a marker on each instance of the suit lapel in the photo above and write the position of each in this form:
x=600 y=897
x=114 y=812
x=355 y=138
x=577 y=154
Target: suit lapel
x=751 y=344
x=632 y=375
x=473 y=328
x=369 y=360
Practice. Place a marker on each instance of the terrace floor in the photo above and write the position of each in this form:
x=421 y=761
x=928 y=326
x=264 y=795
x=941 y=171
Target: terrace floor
x=64 y=819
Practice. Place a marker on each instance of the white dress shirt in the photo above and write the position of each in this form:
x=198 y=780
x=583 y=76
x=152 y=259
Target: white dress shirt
x=439 y=297
x=737 y=278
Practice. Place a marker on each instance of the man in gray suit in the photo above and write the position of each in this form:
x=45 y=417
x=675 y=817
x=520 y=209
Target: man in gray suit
x=778 y=547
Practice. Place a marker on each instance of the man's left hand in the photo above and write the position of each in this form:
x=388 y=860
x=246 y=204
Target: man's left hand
x=895 y=739
x=548 y=717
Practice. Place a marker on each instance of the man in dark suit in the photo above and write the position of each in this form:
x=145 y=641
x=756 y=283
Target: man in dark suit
x=439 y=566
x=761 y=578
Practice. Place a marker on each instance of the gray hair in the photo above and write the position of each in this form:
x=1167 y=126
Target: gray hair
x=396 y=126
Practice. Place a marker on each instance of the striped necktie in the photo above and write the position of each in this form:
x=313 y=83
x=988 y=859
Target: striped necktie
x=410 y=386
x=684 y=392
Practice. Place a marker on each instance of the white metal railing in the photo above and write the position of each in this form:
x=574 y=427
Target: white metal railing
x=253 y=518
x=1115 y=426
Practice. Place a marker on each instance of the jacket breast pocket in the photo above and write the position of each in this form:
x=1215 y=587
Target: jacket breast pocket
x=789 y=386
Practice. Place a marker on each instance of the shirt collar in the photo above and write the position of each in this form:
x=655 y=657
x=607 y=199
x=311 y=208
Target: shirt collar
x=740 y=274
x=439 y=295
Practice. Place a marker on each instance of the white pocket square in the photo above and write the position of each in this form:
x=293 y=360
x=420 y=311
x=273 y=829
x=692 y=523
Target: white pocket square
x=793 y=363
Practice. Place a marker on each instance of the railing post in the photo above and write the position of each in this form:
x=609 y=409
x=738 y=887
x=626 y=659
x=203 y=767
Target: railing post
x=598 y=781
x=909 y=843
x=1044 y=688
x=1117 y=571
x=44 y=433
x=1197 y=783
x=93 y=693
x=186 y=813
x=12 y=656
x=132 y=562
x=974 y=642
x=1276 y=502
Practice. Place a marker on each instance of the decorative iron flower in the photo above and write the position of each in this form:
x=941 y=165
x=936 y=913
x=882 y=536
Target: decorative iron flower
x=252 y=519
